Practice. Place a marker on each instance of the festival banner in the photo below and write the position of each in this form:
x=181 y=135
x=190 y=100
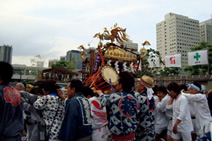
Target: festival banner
x=198 y=57
x=173 y=60
x=154 y=62
x=83 y=71
x=96 y=63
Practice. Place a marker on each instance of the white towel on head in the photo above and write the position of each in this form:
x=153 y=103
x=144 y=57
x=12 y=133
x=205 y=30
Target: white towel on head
x=149 y=92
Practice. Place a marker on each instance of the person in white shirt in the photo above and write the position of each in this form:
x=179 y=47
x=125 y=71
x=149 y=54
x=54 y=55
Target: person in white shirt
x=161 y=121
x=181 y=120
x=192 y=112
x=202 y=112
x=169 y=114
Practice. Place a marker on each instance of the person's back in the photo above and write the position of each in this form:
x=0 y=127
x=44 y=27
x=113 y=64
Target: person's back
x=146 y=114
x=11 y=115
x=51 y=107
x=123 y=107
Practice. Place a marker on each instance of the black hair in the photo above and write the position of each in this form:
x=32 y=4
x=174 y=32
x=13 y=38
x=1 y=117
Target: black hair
x=6 y=72
x=77 y=84
x=183 y=86
x=86 y=91
x=162 y=89
x=174 y=87
x=51 y=86
x=127 y=80
x=39 y=85
x=155 y=89
x=197 y=84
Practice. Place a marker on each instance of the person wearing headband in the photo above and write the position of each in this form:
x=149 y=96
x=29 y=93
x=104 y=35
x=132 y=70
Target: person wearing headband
x=202 y=112
x=29 y=87
x=146 y=115
x=185 y=89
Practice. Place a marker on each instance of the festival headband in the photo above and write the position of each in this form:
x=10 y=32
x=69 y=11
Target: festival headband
x=29 y=85
x=195 y=87
x=189 y=86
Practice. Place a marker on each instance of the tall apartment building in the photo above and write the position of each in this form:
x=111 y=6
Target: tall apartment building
x=176 y=34
x=6 y=53
x=76 y=55
x=206 y=31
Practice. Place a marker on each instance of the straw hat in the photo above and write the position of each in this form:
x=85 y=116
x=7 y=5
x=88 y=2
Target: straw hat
x=147 y=81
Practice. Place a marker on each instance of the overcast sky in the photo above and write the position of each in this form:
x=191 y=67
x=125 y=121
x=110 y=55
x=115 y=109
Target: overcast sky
x=50 y=28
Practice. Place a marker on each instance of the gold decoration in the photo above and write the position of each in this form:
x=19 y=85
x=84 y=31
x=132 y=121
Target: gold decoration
x=83 y=53
x=116 y=33
x=145 y=52
x=143 y=49
x=115 y=53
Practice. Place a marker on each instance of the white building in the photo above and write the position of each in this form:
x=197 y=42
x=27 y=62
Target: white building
x=176 y=34
x=206 y=31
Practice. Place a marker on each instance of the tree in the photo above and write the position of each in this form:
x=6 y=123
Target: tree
x=73 y=64
x=170 y=71
x=156 y=71
x=145 y=69
x=63 y=64
x=201 y=69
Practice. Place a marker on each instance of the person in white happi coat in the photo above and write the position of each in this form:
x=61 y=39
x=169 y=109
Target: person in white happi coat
x=202 y=112
x=169 y=114
x=181 y=120
x=161 y=120
x=192 y=112
x=99 y=116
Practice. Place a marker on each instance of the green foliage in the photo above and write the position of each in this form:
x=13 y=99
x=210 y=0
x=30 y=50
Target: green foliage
x=73 y=64
x=62 y=63
x=155 y=71
x=170 y=71
x=201 y=69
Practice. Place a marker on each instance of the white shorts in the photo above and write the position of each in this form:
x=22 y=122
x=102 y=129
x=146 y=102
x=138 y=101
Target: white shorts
x=169 y=132
x=159 y=130
x=186 y=136
x=194 y=125
x=101 y=134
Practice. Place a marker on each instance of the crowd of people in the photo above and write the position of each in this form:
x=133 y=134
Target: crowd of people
x=146 y=113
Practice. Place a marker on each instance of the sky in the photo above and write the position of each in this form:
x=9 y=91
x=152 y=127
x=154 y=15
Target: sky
x=50 y=28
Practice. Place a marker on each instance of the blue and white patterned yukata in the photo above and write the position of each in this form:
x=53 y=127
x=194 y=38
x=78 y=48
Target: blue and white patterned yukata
x=146 y=118
x=124 y=107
